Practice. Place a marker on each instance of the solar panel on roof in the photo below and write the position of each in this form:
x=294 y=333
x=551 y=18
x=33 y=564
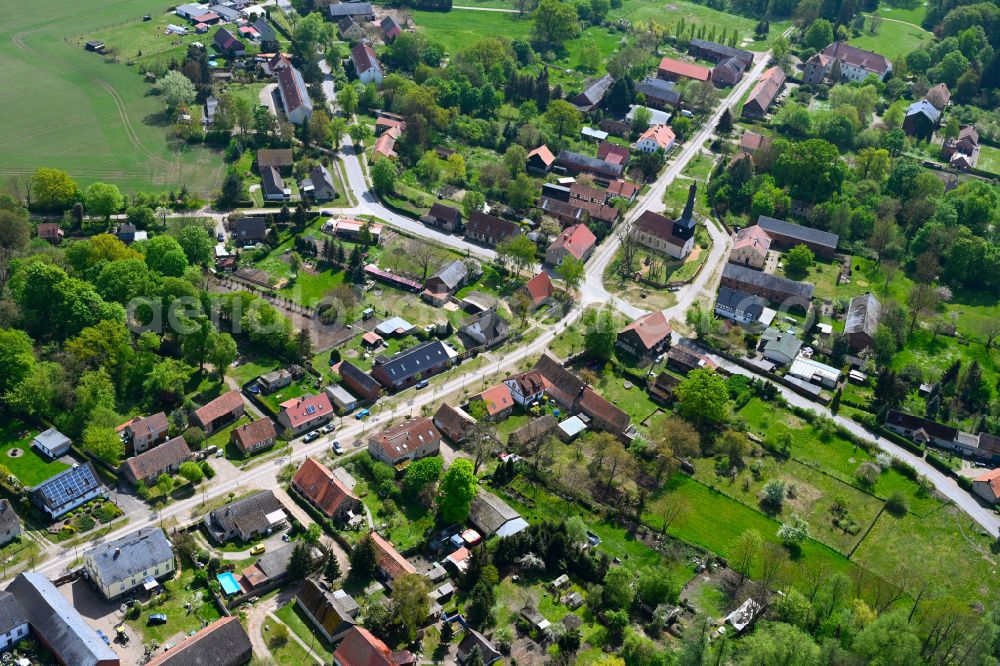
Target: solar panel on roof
x=311 y=409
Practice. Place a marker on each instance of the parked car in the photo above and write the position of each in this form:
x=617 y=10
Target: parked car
x=421 y=384
x=338 y=448
x=254 y=388
x=314 y=435
x=285 y=537
x=327 y=429
x=258 y=549
x=362 y=414
x=157 y=618
x=221 y=236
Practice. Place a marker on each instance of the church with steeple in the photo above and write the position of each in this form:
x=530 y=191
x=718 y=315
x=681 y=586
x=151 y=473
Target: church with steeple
x=673 y=238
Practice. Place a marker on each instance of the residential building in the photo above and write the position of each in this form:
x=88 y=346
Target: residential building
x=145 y=432
x=332 y=613
x=473 y=641
x=50 y=231
x=577 y=211
x=532 y=432
x=412 y=365
x=489 y=229
x=601 y=170
x=624 y=189
x=750 y=247
x=271 y=569
x=249 y=230
x=661 y=390
x=135 y=560
x=226 y=43
x=57 y=625
x=788 y=234
x=921 y=119
x=67 y=490
x=385 y=144
x=581 y=192
x=273 y=186
x=772 y=287
x=52 y=443
x=318 y=486
x=366 y=65
x=342 y=399
x=491 y=515
x=319 y=186
x=612 y=152
x=527 y=387
x=657 y=137
x=701 y=48
x=10 y=527
x=358 y=382
x=779 y=347
x=359 y=11
x=752 y=142
x=219 y=412
x=659 y=93
x=454 y=423
x=13 y=621
x=593 y=93
x=294 y=95
x=247 y=518
x=683 y=360
x=445 y=281
x=854 y=64
x=738 y=306
x=445 y=217
x=862 y=321
x=361 y=648
x=275 y=380
x=539 y=289
x=674 y=70
x=814 y=372
x=966 y=144
x=264 y=30
x=764 y=93
x=222 y=643
x=674 y=238
x=987 y=486
x=255 y=436
x=574 y=394
x=497 y=402
x=646 y=337
x=349 y=30
x=939 y=96
x=391 y=564
x=407 y=441
x=164 y=459
x=390 y=30
x=540 y=160
x=126 y=233
x=485 y=329
x=728 y=72
x=576 y=241
x=305 y=413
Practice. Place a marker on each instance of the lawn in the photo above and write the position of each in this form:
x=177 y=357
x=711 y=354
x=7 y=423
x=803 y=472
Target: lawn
x=914 y=14
x=293 y=390
x=455 y=30
x=118 y=131
x=893 y=39
x=253 y=367
x=989 y=159
x=698 y=15
x=30 y=468
x=634 y=401
x=179 y=619
x=301 y=627
x=289 y=654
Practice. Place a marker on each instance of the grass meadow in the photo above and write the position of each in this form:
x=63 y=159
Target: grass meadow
x=76 y=111
x=893 y=39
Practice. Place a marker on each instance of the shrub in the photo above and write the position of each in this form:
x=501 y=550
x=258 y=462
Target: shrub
x=884 y=461
x=278 y=637
x=867 y=474
x=773 y=493
x=897 y=504
x=904 y=468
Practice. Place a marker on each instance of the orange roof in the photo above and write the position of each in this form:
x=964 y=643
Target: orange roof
x=993 y=479
x=389 y=559
x=539 y=288
x=224 y=404
x=650 y=328
x=319 y=484
x=496 y=399
x=622 y=188
x=361 y=648
x=661 y=134
x=752 y=237
x=686 y=69
x=544 y=154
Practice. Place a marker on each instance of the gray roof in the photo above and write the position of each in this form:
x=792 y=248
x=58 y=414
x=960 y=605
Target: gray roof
x=67 y=486
x=8 y=518
x=222 y=643
x=452 y=273
x=654 y=88
x=722 y=50
x=589 y=163
x=767 y=281
x=52 y=439
x=357 y=375
x=415 y=360
x=275 y=562
x=785 y=344
x=248 y=514
x=54 y=620
x=271 y=181
x=130 y=555
x=11 y=613
x=350 y=9
x=797 y=231
x=489 y=513
x=924 y=107
x=863 y=315
x=594 y=92
x=475 y=640
x=741 y=302
x=322 y=181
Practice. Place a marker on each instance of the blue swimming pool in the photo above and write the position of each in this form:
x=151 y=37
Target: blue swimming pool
x=229 y=584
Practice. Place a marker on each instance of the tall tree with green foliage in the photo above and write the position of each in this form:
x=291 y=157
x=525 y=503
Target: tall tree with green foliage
x=457 y=490
x=601 y=333
x=561 y=116
x=556 y=22
x=421 y=473
x=702 y=398
x=103 y=199
x=384 y=176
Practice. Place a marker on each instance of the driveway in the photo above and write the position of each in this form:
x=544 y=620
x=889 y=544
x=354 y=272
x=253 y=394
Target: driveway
x=100 y=614
x=267 y=94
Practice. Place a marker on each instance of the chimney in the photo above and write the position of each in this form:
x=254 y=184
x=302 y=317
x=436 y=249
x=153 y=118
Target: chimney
x=118 y=551
x=689 y=207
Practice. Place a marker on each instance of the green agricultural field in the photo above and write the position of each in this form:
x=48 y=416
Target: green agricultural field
x=694 y=14
x=989 y=159
x=457 y=29
x=29 y=467
x=893 y=39
x=95 y=119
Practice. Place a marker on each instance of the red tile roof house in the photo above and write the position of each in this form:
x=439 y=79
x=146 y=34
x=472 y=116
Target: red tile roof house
x=751 y=142
x=145 y=432
x=51 y=232
x=612 y=152
x=407 y=441
x=361 y=648
x=657 y=137
x=252 y=437
x=454 y=423
x=306 y=413
x=539 y=289
x=527 y=387
x=498 y=401
x=317 y=484
x=750 y=247
x=764 y=93
x=223 y=410
x=987 y=486
x=672 y=70
x=391 y=564
x=624 y=189
x=646 y=337
x=227 y=44
x=540 y=160
x=164 y=459
x=576 y=241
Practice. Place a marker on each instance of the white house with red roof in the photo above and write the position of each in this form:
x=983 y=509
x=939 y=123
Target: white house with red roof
x=577 y=241
x=657 y=137
x=306 y=413
x=750 y=247
x=539 y=289
x=366 y=64
x=987 y=486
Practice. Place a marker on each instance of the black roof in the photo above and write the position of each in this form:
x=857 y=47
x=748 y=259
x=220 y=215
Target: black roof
x=271 y=181
x=357 y=375
x=250 y=228
x=491 y=226
x=441 y=212
x=8 y=518
x=914 y=423
x=12 y=615
x=66 y=486
x=588 y=163
x=740 y=301
x=350 y=9
x=247 y=512
x=722 y=50
x=658 y=89
x=767 y=281
x=797 y=231
x=223 y=643
x=415 y=360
